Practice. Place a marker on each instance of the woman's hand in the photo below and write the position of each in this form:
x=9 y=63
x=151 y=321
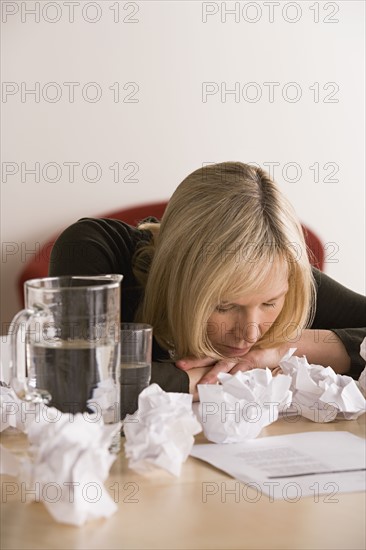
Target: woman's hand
x=254 y=359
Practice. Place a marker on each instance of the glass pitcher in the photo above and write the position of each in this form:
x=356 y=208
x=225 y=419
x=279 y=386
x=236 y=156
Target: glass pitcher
x=65 y=344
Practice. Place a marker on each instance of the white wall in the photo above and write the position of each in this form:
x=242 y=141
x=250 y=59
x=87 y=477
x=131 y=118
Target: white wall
x=169 y=52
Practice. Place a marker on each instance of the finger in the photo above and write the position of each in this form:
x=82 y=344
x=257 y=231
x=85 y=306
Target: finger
x=211 y=376
x=276 y=370
x=191 y=362
x=243 y=366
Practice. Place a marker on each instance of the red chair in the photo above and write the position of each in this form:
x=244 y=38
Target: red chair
x=315 y=248
x=38 y=266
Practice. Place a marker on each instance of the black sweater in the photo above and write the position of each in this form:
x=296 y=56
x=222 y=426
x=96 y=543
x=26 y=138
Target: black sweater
x=98 y=246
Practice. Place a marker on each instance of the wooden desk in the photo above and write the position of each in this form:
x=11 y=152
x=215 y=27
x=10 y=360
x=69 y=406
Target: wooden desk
x=161 y=512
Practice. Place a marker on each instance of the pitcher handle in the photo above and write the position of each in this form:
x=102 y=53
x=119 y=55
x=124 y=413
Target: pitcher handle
x=18 y=363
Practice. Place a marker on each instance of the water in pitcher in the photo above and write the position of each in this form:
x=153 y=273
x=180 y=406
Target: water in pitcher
x=134 y=377
x=69 y=371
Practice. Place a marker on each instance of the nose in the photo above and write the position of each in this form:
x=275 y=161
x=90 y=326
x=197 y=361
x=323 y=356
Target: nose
x=248 y=329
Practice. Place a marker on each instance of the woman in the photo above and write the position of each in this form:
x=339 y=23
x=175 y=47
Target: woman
x=224 y=279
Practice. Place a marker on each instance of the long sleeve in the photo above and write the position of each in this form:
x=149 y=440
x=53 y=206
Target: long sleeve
x=99 y=246
x=169 y=377
x=343 y=312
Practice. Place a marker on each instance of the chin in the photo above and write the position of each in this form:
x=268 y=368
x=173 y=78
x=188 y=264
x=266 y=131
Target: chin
x=229 y=351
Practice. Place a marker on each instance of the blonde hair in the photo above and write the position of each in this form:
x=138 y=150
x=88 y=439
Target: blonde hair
x=225 y=229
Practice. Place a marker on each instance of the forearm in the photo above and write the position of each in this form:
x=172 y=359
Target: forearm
x=322 y=347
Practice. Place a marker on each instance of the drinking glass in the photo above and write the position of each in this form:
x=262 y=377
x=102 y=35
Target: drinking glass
x=135 y=366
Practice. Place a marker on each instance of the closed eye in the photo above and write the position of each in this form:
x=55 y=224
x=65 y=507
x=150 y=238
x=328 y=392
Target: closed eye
x=225 y=308
x=273 y=304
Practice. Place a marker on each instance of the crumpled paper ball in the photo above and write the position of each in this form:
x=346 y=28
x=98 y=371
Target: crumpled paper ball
x=69 y=463
x=242 y=405
x=160 y=433
x=14 y=412
x=320 y=394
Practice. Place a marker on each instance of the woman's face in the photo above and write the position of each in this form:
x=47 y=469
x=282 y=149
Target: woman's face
x=236 y=325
